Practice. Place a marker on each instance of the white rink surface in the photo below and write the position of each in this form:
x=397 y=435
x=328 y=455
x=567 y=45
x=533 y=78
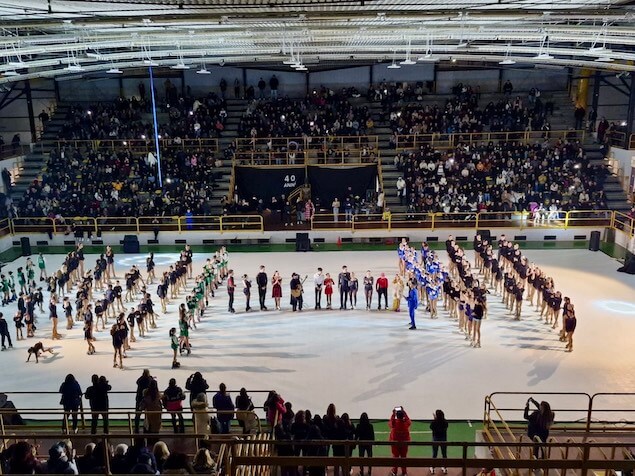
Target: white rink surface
x=360 y=361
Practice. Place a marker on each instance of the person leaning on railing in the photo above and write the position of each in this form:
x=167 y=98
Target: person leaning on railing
x=539 y=424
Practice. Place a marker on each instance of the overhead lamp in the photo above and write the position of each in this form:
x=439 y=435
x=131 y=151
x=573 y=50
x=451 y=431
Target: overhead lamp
x=604 y=59
x=290 y=61
x=393 y=65
x=462 y=44
x=597 y=49
x=300 y=68
x=74 y=68
x=150 y=62
x=506 y=62
x=180 y=66
x=543 y=56
x=10 y=73
x=407 y=61
x=203 y=70
x=114 y=71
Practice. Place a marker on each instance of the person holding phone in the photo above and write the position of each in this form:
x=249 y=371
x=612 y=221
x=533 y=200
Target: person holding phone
x=400 y=434
x=439 y=427
x=539 y=423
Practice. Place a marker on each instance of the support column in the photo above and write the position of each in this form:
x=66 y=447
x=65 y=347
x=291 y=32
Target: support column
x=156 y=128
x=583 y=88
x=29 y=107
x=596 y=90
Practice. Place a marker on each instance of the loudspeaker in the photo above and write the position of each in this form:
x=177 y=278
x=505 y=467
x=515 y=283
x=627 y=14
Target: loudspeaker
x=302 y=242
x=594 y=241
x=485 y=235
x=26 y=246
x=130 y=244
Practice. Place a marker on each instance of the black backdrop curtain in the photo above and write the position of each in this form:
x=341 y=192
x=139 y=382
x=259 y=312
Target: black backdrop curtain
x=262 y=182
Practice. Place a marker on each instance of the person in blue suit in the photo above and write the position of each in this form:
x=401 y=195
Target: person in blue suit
x=412 y=300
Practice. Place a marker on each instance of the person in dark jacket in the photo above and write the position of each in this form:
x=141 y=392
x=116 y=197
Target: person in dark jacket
x=439 y=427
x=97 y=395
x=539 y=423
x=196 y=384
x=71 y=400
x=284 y=449
x=173 y=397
x=244 y=405
x=143 y=383
x=364 y=431
x=4 y=332
x=58 y=462
x=223 y=403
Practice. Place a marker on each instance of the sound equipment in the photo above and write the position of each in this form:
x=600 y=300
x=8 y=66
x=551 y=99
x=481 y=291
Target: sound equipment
x=25 y=243
x=485 y=235
x=302 y=242
x=594 y=241
x=130 y=244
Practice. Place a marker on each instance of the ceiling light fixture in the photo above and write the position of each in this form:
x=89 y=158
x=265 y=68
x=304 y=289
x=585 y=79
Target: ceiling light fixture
x=394 y=64
x=507 y=61
x=408 y=60
x=114 y=70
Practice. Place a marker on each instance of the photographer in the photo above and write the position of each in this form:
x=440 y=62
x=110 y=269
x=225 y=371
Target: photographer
x=539 y=423
x=400 y=433
x=97 y=395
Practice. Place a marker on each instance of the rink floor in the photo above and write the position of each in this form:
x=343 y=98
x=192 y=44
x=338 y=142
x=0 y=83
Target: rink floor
x=361 y=361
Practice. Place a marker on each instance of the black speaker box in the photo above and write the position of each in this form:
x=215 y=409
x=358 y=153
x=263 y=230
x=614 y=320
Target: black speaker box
x=130 y=244
x=302 y=242
x=25 y=243
x=485 y=235
x=594 y=241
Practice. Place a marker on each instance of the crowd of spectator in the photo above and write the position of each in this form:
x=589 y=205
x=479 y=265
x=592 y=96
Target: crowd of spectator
x=503 y=176
x=103 y=182
x=462 y=114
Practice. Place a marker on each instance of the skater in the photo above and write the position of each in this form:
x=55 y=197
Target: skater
x=411 y=297
x=261 y=281
x=381 y=288
x=37 y=349
x=150 y=268
x=231 y=286
x=353 y=287
x=184 y=332
x=68 y=312
x=328 y=290
x=88 y=337
x=369 y=281
x=343 y=281
x=318 y=282
x=110 y=264
x=53 y=317
x=247 y=292
x=174 y=343
x=41 y=264
x=19 y=325
x=4 y=332
x=118 y=338
x=276 y=289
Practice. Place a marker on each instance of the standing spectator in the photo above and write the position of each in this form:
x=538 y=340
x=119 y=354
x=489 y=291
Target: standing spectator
x=143 y=383
x=401 y=190
x=244 y=406
x=593 y=117
x=400 y=434
x=44 y=117
x=236 y=88
x=222 y=402
x=274 y=407
x=201 y=417
x=196 y=384
x=364 y=431
x=4 y=332
x=173 y=397
x=603 y=126
x=71 y=400
x=439 y=427
x=15 y=142
x=261 y=87
x=223 y=87
x=508 y=88
x=579 y=115
x=151 y=405
x=336 y=209
x=539 y=423
x=142 y=90
x=273 y=84
x=6 y=180
x=309 y=211
x=97 y=395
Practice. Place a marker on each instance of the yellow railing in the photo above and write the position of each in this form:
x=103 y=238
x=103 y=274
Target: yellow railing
x=470 y=220
x=139 y=146
x=449 y=141
x=306 y=150
x=326 y=221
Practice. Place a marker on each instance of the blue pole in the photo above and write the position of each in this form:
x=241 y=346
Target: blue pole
x=156 y=127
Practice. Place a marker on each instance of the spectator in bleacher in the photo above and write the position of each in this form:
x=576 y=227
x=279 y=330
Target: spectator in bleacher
x=222 y=402
x=273 y=85
x=508 y=88
x=196 y=384
x=203 y=462
x=97 y=395
x=399 y=434
x=59 y=461
x=173 y=397
x=364 y=431
x=20 y=458
x=151 y=405
x=143 y=383
x=261 y=87
x=603 y=126
x=70 y=400
x=274 y=408
x=161 y=454
x=15 y=142
x=539 y=424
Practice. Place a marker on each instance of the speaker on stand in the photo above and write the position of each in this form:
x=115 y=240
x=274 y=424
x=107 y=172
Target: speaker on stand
x=25 y=243
x=130 y=244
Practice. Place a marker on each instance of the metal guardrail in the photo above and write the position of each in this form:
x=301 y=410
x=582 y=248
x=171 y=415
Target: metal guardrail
x=7 y=151
x=449 y=141
x=138 y=146
x=326 y=221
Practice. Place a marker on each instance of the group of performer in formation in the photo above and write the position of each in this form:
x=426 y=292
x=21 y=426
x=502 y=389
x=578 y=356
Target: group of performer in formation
x=99 y=295
x=505 y=272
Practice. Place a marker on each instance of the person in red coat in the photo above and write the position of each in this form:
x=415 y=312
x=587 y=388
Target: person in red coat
x=381 y=287
x=400 y=433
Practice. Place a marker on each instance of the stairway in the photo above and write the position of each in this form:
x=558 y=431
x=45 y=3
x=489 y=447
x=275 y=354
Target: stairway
x=235 y=110
x=35 y=161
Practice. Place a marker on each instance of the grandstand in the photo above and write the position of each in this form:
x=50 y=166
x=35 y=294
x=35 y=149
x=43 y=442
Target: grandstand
x=477 y=157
